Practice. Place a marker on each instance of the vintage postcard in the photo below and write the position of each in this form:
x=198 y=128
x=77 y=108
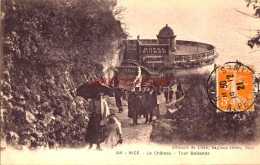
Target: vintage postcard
x=130 y=82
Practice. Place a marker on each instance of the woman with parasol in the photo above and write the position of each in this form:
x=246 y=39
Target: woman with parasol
x=97 y=109
x=99 y=112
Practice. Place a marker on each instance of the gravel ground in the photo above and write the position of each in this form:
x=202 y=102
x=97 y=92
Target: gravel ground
x=135 y=133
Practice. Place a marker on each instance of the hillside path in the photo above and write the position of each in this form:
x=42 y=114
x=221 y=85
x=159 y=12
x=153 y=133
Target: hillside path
x=133 y=134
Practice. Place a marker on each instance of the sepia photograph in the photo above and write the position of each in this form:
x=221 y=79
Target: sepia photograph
x=130 y=82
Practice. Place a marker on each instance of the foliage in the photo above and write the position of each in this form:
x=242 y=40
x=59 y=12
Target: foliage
x=198 y=120
x=256 y=6
x=51 y=47
x=50 y=33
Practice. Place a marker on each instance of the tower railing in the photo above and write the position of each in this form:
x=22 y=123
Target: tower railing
x=193 y=57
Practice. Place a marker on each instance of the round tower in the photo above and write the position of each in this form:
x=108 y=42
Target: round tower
x=166 y=36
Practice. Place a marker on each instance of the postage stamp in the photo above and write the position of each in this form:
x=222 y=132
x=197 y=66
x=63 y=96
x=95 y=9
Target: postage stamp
x=235 y=87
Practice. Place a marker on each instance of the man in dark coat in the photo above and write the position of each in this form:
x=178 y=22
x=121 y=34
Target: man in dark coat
x=179 y=92
x=143 y=95
x=149 y=105
x=134 y=105
x=170 y=94
x=118 y=94
x=166 y=95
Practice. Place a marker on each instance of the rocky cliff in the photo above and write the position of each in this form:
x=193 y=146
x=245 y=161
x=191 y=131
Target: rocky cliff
x=49 y=49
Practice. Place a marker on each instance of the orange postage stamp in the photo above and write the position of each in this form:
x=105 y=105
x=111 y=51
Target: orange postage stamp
x=235 y=87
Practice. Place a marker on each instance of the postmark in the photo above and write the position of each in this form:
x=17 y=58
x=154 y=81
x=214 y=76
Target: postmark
x=233 y=87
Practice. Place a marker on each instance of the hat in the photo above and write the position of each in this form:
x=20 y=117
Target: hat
x=137 y=88
x=112 y=112
x=111 y=120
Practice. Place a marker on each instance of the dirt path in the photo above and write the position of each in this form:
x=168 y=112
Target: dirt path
x=132 y=133
x=135 y=133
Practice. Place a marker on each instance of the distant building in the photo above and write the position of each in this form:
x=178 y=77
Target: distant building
x=166 y=56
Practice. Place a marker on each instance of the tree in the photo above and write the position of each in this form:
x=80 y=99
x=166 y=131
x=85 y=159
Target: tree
x=255 y=41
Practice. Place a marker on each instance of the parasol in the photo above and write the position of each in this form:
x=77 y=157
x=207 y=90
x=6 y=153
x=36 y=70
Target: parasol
x=90 y=90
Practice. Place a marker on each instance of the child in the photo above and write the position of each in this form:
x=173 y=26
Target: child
x=114 y=130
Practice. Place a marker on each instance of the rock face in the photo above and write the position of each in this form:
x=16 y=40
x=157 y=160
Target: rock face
x=50 y=48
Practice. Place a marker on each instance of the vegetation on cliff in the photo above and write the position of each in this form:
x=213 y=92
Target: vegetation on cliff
x=198 y=120
x=50 y=47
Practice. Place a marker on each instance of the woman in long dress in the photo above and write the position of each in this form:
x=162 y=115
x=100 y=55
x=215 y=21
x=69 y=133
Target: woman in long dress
x=99 y=111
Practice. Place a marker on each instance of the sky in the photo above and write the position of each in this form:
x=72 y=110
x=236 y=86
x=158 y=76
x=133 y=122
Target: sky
x=215 y=22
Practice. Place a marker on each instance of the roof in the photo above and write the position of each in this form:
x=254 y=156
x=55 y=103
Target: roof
x=166 y=32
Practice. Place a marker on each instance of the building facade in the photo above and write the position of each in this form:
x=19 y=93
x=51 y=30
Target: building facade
x=166 y=57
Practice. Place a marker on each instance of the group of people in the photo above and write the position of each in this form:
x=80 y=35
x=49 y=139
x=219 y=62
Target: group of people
x=168 y=94
x=143 y=102
x=103 y=124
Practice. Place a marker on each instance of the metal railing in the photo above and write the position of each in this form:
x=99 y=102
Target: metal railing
x=194 y=57
x=152 y=59
x=127 y=69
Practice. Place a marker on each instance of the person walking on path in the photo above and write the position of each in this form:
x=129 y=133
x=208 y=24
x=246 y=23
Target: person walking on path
x=118 y=94
x=179 y=92
x=166 y=95
x=170 y=94
x=114 y=131
x=98 y=110
x=143 y=95
x=151 y=102
x=134 y=105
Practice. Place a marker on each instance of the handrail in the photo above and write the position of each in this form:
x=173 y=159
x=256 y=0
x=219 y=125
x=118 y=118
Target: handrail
x=194 y=57
x=173 y=104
